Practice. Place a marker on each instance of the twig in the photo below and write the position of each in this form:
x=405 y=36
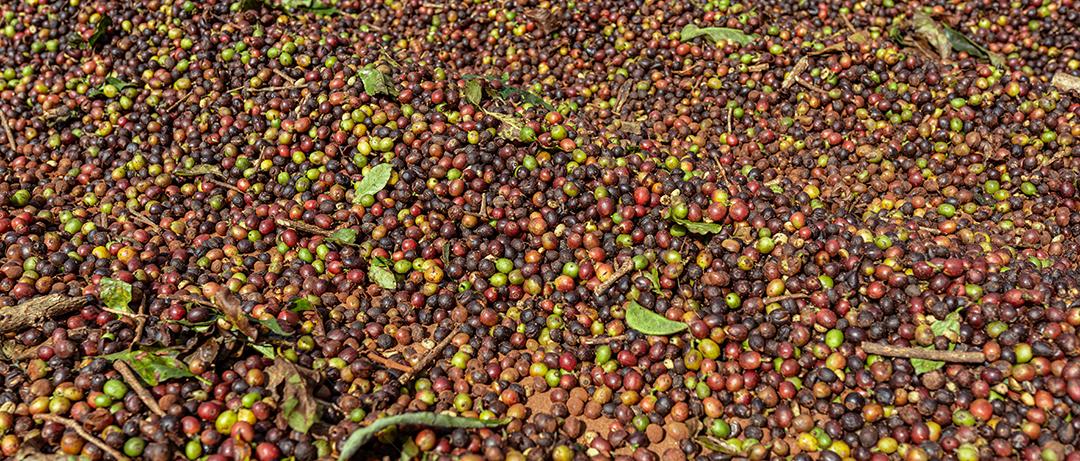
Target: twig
x=28 y=313
x=261 y=90
x=388 y=363
x=224 y=184
x=621 y=271
x=809 y=85
x=7 y=129
x=140 y=325
x=187 y=299
x=758 y=67
x=178 y=102
x=925 y=354
x=302 y=226
x=133 y=381
x=601 y=340
x=71 y=424
x=782 y=298
x=429 y=357
x=149 y=222
x=687 y=71
x=284 y=76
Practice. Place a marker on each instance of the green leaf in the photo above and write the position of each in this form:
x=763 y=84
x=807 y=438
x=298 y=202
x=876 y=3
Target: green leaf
x=153 y=368
x=273 y=326
x=715 y=34
x=374 y=181
x=526 y=96
x=945 y=40
x=950 y=324
x=362 y=436
x=266 y=351
x=375 y=82
x=473 y=92
x=1040 y=262
x=300 y=304
x=382 y=277
x=410 y=451
x=654 y=278
x=100 y=29
x=298 y=409
x=927 y=28
x=116 y=83
x=961 y=42
x=344 y=236
x=926 y=366
x=115 y=294
x=701 y=228
x=651 y=323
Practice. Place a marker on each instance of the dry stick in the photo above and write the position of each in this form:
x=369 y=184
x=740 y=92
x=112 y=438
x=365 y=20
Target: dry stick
x=782 y=298
x=29 y=313
x=7 y=129
x=603 y=286
x=133 y=381
x=809 y=85
x=602 y=340
x=149 y=222
x=284 y=76
x=428 y=358
x=178 y=102
x=71 y=424
x=388 y=363
x=925 y=354
x=187 y=299
x=302 y=226
x=260 y=90
x=224 y=184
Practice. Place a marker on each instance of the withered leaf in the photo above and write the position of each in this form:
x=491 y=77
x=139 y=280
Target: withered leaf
x=298 y=408
x=233 y=309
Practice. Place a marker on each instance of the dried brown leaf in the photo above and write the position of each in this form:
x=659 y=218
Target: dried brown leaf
x=233 y=309
x=298 y=407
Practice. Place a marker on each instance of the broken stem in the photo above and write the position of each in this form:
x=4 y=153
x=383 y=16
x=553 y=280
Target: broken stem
x=925 y=354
